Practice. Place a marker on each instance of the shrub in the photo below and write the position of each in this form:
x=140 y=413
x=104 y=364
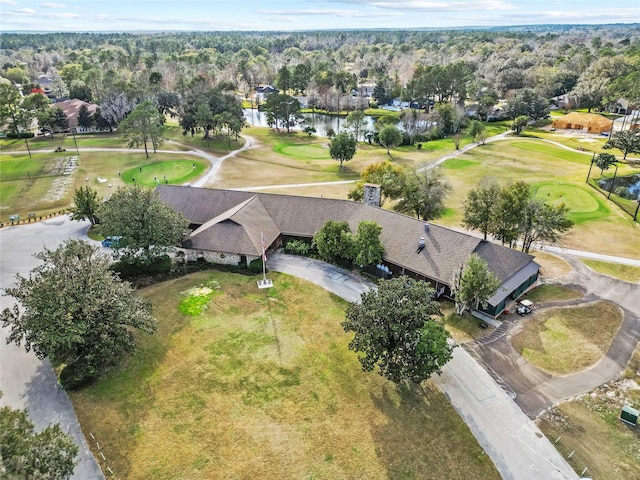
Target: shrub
x=623 y=192
x=255 y=266
x=14 y=135
x=436 y=134
x=158 y=265
x=420 y=138
x=297 y=247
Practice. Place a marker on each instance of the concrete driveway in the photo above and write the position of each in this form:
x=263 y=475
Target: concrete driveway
x=26 y=381
x=516 y=446
x=536 y=390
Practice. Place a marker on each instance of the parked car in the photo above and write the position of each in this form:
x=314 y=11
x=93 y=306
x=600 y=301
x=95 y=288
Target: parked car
x=525 y=307
x=111 y=242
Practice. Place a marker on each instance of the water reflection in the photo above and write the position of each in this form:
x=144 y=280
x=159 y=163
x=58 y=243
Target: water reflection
x=320 y=121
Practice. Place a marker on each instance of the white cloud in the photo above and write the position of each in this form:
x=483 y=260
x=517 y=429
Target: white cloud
x=488 y=5
x=334 y=13
x=8 y=2
x=64 y=15
x=27 y=11
x=52 y=5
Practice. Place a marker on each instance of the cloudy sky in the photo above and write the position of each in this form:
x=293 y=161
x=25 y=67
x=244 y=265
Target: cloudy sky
x=137 y=15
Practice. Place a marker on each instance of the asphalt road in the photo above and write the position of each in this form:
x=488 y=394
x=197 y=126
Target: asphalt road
x=536 y=390
x=26 y=381
x=516 y=446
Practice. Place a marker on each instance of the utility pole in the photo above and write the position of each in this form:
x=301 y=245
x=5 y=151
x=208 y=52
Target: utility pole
x=613 y=181
x=590 y=167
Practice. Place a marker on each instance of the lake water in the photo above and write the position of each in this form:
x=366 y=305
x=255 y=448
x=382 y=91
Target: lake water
x=630 y=182
x=320 y=121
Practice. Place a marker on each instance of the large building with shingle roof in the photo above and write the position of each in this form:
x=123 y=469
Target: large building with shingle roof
x=228 y=227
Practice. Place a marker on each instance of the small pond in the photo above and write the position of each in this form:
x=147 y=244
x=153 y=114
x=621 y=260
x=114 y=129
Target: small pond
x=625 y=187
x=320 y=121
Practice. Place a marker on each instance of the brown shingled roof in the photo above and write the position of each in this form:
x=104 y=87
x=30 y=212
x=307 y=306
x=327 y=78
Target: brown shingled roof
x=231 y=221
x=237 y=230
x=71 y=108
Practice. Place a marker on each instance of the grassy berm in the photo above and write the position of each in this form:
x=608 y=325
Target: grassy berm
x=246 y=383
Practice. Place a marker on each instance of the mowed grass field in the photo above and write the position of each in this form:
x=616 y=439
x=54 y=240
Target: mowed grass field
x=557 y=175
x=566 y=340
x=590 y=426
x=247 y=383
x=280 y=158
x=628 y=273
x=27 y=184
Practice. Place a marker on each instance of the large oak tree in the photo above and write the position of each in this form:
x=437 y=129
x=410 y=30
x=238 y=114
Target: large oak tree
x=77 y=312
x=148 y=227
x=397 y=329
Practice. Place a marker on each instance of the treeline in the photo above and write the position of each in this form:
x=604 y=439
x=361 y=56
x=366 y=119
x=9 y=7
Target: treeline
x=554 y=61
x=441 y=74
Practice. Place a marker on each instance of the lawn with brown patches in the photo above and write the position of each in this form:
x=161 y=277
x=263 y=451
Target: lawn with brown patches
x=552 y=266
x=263 y=385
x=590 y=426
x=463 y=328
x=566 y=340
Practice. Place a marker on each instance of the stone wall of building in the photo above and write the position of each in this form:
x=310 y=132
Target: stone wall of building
x=219 y=258
x=222 y=258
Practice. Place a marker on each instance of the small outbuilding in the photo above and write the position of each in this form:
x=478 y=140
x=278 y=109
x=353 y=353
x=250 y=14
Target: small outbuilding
x=589 y=122
x=629 y=415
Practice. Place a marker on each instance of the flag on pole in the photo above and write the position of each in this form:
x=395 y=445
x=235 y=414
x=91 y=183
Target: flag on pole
x=264 y=254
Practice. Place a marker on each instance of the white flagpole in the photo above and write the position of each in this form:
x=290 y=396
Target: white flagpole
x=264 y=283
x=264 y=258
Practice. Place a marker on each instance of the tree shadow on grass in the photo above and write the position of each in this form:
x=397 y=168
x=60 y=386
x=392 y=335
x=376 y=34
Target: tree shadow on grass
x=424 y=438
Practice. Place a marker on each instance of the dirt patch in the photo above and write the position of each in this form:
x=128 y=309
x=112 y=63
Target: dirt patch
x=589 y=426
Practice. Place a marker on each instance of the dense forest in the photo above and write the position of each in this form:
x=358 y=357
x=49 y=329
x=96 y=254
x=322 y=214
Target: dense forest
x=594 y=65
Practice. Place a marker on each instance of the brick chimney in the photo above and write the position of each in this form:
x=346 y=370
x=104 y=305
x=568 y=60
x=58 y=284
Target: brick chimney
x=372 y=194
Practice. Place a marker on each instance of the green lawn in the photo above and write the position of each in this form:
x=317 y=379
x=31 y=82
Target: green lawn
x=552 y=293
x=173 y=172
x=29 y=185
x=302 y=152
x=566 y=340
x=627 y=273
x=247 y=383
x=558 y=175
x=584 y=203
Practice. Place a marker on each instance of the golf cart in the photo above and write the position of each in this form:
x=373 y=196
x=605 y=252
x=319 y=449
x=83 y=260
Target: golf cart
x=525 y=307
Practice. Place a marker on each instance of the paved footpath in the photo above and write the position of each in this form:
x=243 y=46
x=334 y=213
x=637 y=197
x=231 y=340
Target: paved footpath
x=26 y=381
x=537 y=390
x=515 y=444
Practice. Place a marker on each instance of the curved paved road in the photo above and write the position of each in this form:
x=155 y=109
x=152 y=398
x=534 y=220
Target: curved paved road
x=536 y=390
x=209 y=176
x=515 y=444
x=26 y=381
